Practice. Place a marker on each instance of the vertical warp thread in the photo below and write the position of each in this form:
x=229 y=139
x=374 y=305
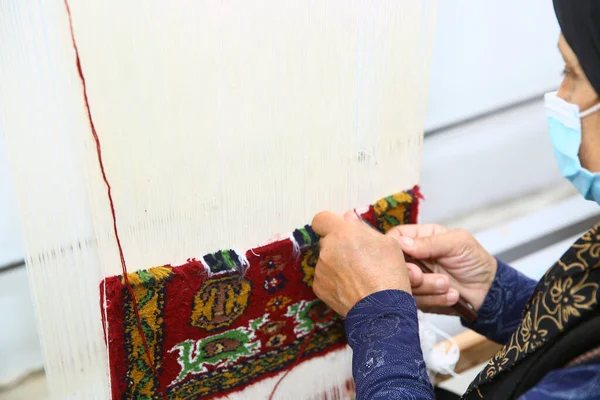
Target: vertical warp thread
x=111 y=203
x=327 y=318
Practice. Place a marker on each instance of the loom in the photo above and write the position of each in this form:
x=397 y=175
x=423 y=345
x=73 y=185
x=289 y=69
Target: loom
x=219 y=125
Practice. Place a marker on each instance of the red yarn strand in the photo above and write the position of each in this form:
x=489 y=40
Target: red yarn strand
x=327 y=318
x=111 y=202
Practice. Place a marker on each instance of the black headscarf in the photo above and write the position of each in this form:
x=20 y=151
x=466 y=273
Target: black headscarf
x=580 y=24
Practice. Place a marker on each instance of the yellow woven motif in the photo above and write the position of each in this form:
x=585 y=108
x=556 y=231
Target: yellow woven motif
x=148 y=289
x=309 y=262
x=392 y=210
x=219 y=302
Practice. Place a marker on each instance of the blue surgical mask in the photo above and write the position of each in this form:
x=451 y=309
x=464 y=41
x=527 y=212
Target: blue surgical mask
x=564 y=127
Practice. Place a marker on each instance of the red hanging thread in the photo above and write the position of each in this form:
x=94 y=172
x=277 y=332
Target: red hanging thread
x=327 y=318
x=111 y=202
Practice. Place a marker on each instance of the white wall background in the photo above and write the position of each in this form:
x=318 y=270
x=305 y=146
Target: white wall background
x=487 y=55
x=490 y=54
x=11 y=249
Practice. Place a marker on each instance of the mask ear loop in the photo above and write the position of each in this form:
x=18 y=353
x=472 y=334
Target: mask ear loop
x=589 y=111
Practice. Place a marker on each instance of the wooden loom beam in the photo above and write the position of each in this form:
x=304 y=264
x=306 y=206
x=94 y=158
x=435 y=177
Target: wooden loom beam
x=475 y=349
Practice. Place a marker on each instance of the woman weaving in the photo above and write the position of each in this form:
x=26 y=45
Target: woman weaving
x=549 y=329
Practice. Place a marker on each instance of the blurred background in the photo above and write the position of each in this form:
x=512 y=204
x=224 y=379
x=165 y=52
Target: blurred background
x=487 y=164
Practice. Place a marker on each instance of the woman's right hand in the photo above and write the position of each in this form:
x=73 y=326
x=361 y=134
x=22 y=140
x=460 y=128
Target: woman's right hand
x=459 y=262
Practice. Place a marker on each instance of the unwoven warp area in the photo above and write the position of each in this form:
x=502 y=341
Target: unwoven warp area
x=228 y=320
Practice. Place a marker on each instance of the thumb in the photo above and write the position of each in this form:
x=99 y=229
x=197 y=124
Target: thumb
x=444 y=244
x=326 y=222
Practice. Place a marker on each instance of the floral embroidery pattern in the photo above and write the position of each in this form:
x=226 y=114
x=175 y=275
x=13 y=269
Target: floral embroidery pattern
x=567 y=298
x=567 y=293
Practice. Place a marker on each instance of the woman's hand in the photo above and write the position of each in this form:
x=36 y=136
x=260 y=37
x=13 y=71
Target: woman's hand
x=354 y=262
x=459 y=262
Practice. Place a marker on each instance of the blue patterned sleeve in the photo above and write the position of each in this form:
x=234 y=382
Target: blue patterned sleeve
x=387 y=362
x=501 y=312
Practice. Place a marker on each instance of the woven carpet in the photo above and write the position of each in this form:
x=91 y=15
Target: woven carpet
x=220 y=323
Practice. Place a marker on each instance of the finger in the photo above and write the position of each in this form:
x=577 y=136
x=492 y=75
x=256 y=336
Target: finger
x=440 y=245
x=416 y=230
x=432 y=284
x=351 y=215
x=326 y=222
x=437 y=300
x=415 y=274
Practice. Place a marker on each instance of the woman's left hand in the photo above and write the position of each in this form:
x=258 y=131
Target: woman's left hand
x=354 y=262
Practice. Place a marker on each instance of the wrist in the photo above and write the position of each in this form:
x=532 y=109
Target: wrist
x=490 y=275
x=386 y=283
x=492 y=271
x=376 y=290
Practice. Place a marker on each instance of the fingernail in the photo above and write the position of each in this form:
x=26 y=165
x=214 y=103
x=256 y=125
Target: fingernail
x=407 y=241
x=440 y=283
x=452 y=296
